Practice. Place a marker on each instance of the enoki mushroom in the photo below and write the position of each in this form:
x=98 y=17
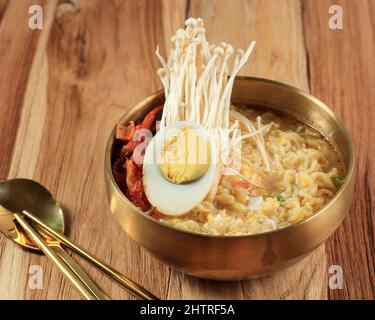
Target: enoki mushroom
x=198 y=80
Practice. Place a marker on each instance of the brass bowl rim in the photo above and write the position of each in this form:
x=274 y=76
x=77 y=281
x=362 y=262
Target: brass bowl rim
x=345 y=131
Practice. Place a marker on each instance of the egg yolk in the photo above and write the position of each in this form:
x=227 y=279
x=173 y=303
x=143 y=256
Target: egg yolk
x=185 y=156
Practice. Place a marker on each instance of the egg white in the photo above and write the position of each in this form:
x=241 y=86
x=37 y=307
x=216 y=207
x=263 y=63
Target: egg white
x=169 y=198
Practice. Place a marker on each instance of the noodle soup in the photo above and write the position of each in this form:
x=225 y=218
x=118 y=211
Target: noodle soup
x=307 y=172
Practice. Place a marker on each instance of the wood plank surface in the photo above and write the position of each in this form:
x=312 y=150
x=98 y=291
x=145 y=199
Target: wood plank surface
x=342 y=69
x=63 y=88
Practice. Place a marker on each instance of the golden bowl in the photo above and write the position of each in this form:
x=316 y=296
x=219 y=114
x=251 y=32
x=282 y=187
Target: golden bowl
x=250 y=256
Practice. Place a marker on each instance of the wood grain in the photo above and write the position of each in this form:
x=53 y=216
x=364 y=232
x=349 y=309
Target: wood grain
x=63 y=88
x=18 y=45
x=15 y=53
x=342 y=74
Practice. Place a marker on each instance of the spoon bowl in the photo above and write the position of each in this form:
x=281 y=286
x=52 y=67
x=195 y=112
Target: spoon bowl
x=17 y=195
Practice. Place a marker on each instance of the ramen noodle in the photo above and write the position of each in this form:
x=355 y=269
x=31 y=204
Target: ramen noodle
x=307 y=171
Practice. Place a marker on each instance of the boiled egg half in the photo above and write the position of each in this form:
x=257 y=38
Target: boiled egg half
x=179 y=167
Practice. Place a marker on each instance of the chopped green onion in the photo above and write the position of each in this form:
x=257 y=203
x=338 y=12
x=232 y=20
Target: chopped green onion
x=280 y=199
x=338 y=181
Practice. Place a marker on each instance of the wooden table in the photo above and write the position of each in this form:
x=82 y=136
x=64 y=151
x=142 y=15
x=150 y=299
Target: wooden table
x=63 y=88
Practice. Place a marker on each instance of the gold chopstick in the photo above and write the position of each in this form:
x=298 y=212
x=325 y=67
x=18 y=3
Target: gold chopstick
x=128 y=284
x=81 y=274
x=50 y=253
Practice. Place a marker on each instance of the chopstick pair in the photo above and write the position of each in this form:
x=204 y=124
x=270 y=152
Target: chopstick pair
x=125 y=282
x=72 y=272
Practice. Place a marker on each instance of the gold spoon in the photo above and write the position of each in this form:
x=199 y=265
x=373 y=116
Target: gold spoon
x=19 y=194
x=37 y=204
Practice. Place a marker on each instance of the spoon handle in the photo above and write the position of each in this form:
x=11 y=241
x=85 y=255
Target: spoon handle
x=50 y=253
x=128 y=284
